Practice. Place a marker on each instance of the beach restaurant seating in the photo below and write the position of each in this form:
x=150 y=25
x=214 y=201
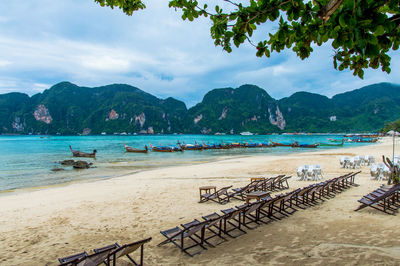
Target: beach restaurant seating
x=379 y=171
x=234 y=221
x=306 y=172
x=106 y=255
x=221 y=196
x=384 y=199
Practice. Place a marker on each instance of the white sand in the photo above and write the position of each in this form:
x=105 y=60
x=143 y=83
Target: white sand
x=38 y=226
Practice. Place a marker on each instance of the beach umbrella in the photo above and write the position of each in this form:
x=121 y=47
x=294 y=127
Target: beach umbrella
x=393 y=133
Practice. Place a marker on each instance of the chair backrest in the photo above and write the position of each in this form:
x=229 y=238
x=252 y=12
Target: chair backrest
x=213 y=221
x=232 y=214
x=253 y=207
x=72 y=258
x=129 y=248
x=94 y=259
x=223 y=191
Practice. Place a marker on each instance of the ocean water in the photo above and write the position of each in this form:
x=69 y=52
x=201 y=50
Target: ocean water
x=26 y=161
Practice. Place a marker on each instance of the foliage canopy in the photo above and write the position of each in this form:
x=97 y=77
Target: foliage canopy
x=362 y=32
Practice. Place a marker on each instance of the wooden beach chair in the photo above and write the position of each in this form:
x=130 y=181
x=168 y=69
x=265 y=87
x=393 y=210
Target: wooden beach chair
x=240 y=193
x=116 y=251
x=232 y=222
x=221 y=196
x=250 y=214
x=384 y=201
x=282 y=183
x=177 y=236
x=214 y=228
x=89 y=260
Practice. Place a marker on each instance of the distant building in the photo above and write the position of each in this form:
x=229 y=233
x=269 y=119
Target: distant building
x=332 y=118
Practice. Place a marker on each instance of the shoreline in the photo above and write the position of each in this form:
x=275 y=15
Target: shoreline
x=39 y=226
x=113 y=169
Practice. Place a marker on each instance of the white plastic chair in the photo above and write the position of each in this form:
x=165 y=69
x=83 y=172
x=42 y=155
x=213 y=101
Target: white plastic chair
x=318 y=171
x=371 y=159
x=344 y=161
x=300 y=172
x=374 y=171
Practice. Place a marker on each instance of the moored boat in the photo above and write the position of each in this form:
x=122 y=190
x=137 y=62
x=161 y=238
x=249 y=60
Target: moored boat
x=130 y=149
x=77 y=153
x=165 y=148
x=281 y=144
x=331 y=144
x=190 y=146
x=303 y=145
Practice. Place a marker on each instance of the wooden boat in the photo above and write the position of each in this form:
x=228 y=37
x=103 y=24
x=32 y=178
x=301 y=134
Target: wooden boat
x=190 y=147
x=362 y=140
x=281 y=144
x=236 y=145
x=331 y=144
x=165 y=148
x=130 y=149
x=268 y=145
x=301 y=145
x=336 y=140
x=76 y=153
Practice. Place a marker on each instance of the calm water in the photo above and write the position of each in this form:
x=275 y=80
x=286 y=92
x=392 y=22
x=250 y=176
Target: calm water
x=26 y=161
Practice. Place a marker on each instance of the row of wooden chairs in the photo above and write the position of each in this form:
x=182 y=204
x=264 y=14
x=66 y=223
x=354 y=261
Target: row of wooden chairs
x=223 y=195
x=213 y=228
x=107 y=255
x=385 y=199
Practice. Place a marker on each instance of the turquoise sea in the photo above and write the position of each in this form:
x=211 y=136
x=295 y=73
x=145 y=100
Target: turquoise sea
x=26 y=161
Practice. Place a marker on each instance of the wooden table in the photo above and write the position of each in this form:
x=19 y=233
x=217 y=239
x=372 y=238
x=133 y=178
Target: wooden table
x=256 y=179
x=207 y=189
x=256 y=195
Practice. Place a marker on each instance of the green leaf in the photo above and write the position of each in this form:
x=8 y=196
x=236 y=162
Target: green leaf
x=342 y=20
x=379 y=30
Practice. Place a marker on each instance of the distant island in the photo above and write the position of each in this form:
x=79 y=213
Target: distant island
x=67 y=109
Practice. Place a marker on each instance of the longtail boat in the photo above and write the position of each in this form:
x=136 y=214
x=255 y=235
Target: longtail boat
x=362 y=140
x=190 y=147
x=336 y=140
x=332 y=144
x=130 y=149
x=236 y=145
x=76 y=153
x=301 y=145
x=281 y=144
x=165 y=148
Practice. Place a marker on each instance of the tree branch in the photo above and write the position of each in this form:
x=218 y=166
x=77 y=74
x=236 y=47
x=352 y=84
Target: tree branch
x=329 y=9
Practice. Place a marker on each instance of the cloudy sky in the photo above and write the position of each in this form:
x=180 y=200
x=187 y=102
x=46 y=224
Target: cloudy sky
x=44 y=42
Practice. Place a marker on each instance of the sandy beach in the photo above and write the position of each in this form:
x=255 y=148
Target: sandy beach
x=38 y=226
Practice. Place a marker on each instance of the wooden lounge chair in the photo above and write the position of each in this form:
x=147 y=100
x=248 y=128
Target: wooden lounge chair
x=240 y=193
x=221 y=196
x=250 y=214
x=106 y=255
x=387 y=202
x=281 y=183
x=178 y=235
x=214 y=228
x=277 y=183
x=126 y=250
x=232 y=222
x=89 y=260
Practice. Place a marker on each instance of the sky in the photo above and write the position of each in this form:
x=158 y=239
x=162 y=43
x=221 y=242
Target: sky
x=44 y=42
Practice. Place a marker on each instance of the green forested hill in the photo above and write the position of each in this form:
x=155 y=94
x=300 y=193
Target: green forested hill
x=67 y=108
